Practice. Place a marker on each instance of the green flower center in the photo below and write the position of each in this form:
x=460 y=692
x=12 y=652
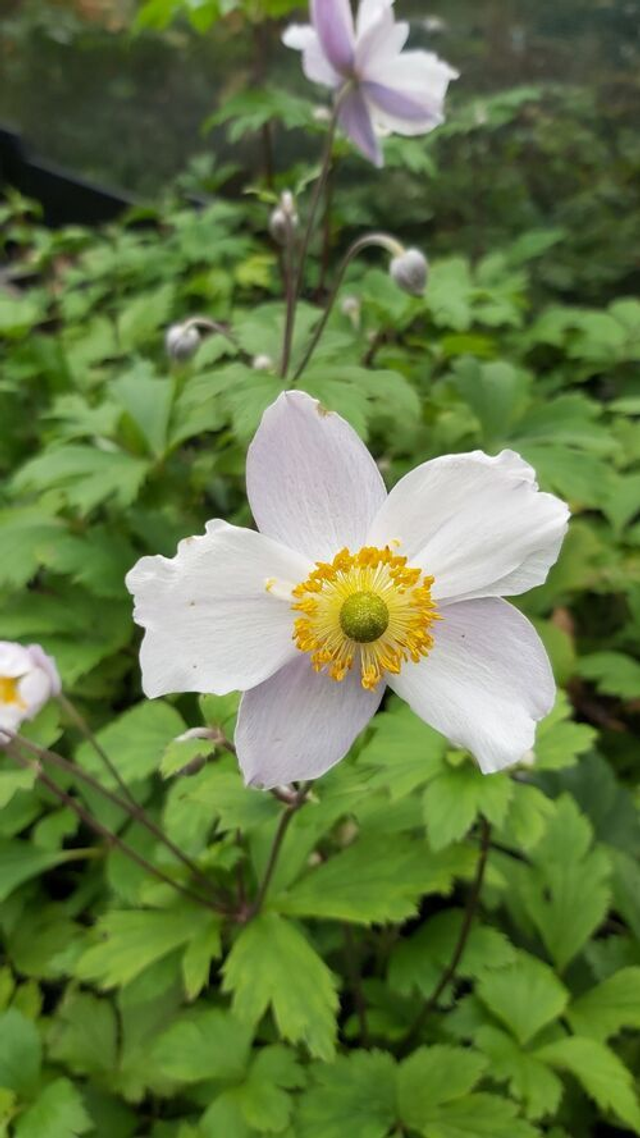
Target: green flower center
x=364 y=617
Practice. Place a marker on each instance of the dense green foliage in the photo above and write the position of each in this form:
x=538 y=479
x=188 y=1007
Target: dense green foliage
x=129 y=1009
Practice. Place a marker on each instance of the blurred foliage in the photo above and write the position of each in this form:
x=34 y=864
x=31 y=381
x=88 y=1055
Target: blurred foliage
x=128 y=1010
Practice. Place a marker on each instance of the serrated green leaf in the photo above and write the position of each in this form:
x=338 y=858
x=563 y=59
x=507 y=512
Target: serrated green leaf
x=525 y=995
x=604 y=1010
x=58 y=1112
x=203 y=1044
x=359 y=1087
x=272 y=965
x=457 y=796
x=602 y=1074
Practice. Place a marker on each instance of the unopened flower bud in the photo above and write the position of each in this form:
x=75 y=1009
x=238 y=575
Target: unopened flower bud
x=262 y=363
x=284 y=218
x=409 y=271
x=351 y=307
x=321 y=114
x=182 y=342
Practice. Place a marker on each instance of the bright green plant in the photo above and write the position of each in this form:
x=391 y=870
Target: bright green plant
x=407 y=947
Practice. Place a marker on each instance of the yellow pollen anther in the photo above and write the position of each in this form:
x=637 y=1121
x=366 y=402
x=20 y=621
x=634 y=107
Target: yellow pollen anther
x=10 y=692
x=367 y=609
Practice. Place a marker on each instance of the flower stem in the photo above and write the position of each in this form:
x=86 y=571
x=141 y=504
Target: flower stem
x=350 y=954
x=103 y=831
x=458 y=952
x=382 y=240
x=283 y=825
x=129 y=806
x=318 y=189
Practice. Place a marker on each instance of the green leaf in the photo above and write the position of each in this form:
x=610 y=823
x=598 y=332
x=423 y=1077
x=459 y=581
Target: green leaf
x=359 y=1087
x=403 y=752
x=613 y=673
x=148 y=401
x=86 y=475
x=530 y=1080
x=566 y=893
x=84 y=1034
x=602 y=1074
x=143 y=316
x=525 y=995
x=368 y=882
x=58 y=1112
x=204 y=946
x=134 y=741
x=433 y=1076
x=477 y=1116
x=130 y=941
x=203 y=1044
x=457 y=796
x=606 y=1009
x=13 y=781
x=20 y=861
x=419 y=960
x=272 y=965
x=20 y=1053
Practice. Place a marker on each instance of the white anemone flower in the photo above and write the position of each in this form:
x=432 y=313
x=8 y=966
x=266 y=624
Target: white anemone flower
x=347 y=589
x=28 y=679
x=382 y=89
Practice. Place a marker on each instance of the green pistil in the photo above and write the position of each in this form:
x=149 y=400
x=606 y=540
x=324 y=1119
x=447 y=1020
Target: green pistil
x=364 y=617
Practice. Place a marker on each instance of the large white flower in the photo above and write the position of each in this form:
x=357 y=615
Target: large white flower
x=28 y=678
x=382 y=88
x=346 y=589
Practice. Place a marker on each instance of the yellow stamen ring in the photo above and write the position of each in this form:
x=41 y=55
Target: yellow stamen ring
x=10 y=692
x=367 y=609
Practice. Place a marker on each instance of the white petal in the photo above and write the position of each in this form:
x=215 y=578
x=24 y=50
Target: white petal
x=14 y=659
x=369 y=13
x=479 y=525
x=485 y=683
x=47 y=665
x=380 y=43
x=311 y=482
x=333 y=21
x=406 y=92
x=316 y=66
x=211 y=624
x=300 y=723
x=34 y=690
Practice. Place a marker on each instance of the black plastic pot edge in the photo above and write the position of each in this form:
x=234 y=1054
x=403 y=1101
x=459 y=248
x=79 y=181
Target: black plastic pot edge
x=65 y=199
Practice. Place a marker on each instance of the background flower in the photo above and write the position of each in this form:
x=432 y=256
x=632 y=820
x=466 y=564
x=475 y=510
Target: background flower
x=381 y=88
x=28 y=678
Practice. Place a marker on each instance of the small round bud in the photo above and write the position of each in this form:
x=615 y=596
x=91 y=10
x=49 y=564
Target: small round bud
x=262 y=363
x=181 y=342
x=409 y=271
x=284 y=218
x=351 y=307
x=321 y=114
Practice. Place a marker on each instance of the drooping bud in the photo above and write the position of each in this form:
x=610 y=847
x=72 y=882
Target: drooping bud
x=182 y=342
x=409 y=270
x=262 y=363
x=284 y=218
x=351 y=307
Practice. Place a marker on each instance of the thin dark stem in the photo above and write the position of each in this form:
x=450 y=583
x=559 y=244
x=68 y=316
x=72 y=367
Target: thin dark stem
x=318 y=190
x=129 y=807
x=458 y=952
x=350 y=255
x=351 y=959
x=103 y=831
x=84 y=727
x=326 y=229
x=283 y=825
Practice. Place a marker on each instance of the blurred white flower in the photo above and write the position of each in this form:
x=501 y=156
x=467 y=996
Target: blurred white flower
x=382 y=89
x=346 y=589
x=28 y=679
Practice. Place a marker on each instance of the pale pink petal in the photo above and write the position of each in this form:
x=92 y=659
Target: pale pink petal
x=48 y=665
x=485 y=683
x=479 y=525
x=311 y=482
x=406 y=93
x=298 y=724
x=355 y=119
x=316 y=66
x=333 y=21
x=217 y=615
x=34 y=690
